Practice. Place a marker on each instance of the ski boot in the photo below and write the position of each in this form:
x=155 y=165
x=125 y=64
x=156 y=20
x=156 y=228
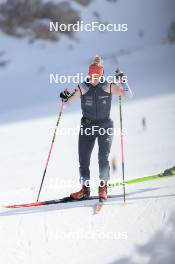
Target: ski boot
x=84 y=193
x=102 y=191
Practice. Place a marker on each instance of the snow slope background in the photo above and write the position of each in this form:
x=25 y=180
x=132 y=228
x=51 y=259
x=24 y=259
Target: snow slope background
x=143 y=52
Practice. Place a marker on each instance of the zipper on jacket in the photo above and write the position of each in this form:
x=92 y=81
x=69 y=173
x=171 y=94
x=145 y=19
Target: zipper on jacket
x=96 y=103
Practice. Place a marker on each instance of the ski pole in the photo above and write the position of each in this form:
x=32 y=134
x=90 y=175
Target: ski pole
x=119 y=75
x=51 y=147
x=122 y=148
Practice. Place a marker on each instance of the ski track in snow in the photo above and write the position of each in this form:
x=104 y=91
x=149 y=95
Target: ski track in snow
x=34 y=234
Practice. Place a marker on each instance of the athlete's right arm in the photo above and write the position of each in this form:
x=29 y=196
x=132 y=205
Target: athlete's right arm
x=75 y=95
x=66 y=96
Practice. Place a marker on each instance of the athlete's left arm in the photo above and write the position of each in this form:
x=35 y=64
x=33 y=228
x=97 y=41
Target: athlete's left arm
x=121 y=89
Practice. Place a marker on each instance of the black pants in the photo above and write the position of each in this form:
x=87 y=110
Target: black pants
x=87 y=137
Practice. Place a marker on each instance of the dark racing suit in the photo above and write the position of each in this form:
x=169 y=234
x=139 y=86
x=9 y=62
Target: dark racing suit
x=95 y=124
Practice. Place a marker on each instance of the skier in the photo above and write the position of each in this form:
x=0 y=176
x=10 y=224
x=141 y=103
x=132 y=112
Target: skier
x=95 y=124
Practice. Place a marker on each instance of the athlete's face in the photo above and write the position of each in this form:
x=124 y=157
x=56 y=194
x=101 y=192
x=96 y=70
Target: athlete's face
x=95 y=79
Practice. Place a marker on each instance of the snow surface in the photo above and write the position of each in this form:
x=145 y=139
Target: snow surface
x=141 y=232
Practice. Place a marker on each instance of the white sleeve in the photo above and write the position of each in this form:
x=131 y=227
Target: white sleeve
x=126 y=90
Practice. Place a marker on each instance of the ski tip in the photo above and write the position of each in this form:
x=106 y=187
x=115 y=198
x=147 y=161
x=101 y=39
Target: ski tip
x=98 y=207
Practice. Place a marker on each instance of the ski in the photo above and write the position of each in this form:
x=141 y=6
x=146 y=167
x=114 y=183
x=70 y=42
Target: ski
x=67 y=199
x=166 y=174
x=99 y=206
x=143 y=179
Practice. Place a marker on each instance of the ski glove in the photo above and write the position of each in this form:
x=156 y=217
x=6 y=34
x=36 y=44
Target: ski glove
x=65 y=95
x=119 y=74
